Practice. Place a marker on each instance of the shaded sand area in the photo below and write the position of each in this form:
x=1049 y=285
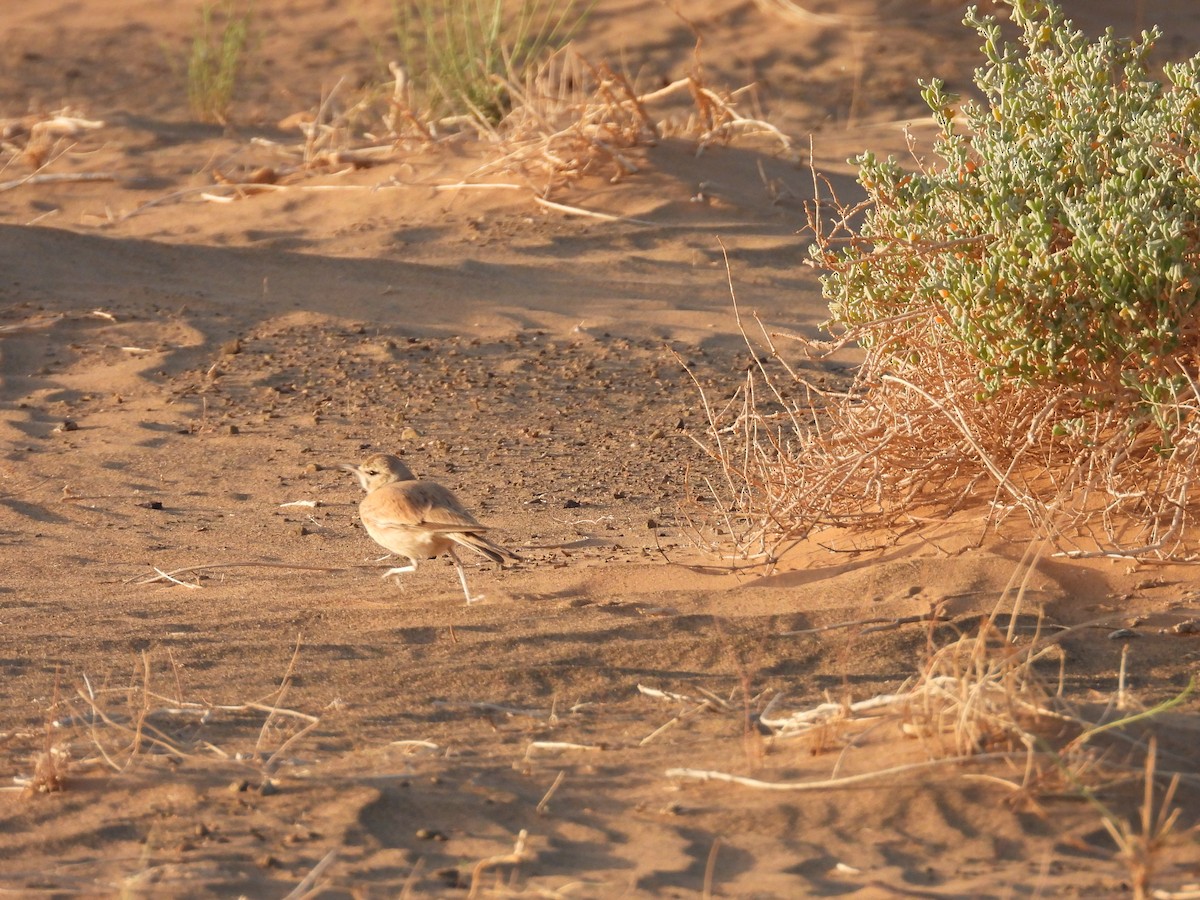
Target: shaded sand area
x=178 y=373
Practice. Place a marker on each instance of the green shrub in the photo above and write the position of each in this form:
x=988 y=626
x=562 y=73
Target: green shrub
x=1058 y=241
x=1027 y=306
x=458 y=53
x=215 y=62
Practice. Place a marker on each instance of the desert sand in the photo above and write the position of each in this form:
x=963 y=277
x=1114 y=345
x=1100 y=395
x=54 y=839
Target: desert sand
x=183 y=368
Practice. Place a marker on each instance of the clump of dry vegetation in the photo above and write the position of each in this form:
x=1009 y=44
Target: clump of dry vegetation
x=537 y=113
x=1028 y=311
x=115 y=727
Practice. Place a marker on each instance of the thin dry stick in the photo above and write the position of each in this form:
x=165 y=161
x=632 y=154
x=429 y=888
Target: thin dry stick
x=671 y=723
x=163 y=575
x=308 y=884
x=276 y=709
x=245 y=564
x=543 y=805
x=832 y=783
x=710 y=868
x=580 y=211
x=560 y=745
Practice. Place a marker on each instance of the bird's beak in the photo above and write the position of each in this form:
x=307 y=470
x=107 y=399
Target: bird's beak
x=356 y=471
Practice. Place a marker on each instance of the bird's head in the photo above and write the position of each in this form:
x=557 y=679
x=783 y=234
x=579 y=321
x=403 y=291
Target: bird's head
x=379 y=469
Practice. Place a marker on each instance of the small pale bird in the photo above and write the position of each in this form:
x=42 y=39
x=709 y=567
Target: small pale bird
x=418 y=519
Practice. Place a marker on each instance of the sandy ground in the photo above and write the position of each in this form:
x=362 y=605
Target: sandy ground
x=174 y=371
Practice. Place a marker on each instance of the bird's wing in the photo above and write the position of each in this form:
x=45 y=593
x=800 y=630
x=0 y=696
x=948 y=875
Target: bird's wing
x=421 y=504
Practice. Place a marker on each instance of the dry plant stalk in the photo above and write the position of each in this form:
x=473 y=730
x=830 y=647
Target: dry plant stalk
x=1140 y=849
x=519 y=854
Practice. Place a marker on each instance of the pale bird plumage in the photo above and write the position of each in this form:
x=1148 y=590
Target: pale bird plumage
x=418 y=519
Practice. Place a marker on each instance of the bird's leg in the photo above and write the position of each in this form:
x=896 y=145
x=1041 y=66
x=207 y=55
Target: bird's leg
x=462 y=576
x=400 y=570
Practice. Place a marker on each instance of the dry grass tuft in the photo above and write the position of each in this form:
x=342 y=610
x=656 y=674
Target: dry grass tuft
x=574 y=119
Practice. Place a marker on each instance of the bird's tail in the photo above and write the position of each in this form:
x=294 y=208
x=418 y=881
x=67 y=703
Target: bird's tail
x=483 y=546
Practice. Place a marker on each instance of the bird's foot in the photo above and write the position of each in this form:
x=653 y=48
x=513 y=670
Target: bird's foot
x=399 y=570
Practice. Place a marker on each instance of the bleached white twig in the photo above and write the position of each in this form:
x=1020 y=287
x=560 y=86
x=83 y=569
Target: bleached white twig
x=560 y=745
x=187 y=584
x=665 y=695
x=411 y=746
x=831 y=783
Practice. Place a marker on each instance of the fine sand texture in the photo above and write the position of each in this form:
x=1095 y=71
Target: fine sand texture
x=207 y=688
